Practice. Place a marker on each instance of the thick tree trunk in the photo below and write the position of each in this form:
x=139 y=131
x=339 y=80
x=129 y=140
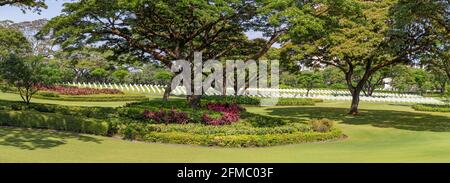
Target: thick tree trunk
x=443 y=88
x=355 y=102
x=168 y=89
x=166 y=94
x=194 y=100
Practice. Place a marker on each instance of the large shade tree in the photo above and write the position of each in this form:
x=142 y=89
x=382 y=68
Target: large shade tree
x=353 y=35
x=161 y=30
x=13 y=42
x=35 y=5
x=44 y=46
x=425 y=22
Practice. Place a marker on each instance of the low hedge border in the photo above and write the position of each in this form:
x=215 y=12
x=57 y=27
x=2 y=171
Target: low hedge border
x=241 y=140
x=238 y=137
x=235 y=129
x=30 y=119
x=432 y=108
x=93 y=98
x=225 y=136
x=253 y=131
x=247 y=100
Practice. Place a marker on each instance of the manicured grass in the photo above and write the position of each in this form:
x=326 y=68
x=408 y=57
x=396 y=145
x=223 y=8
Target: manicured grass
x=382 y=133
x=15 y=97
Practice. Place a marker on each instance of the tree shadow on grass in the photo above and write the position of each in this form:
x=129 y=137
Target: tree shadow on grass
x=377 y=118
x=39 y=139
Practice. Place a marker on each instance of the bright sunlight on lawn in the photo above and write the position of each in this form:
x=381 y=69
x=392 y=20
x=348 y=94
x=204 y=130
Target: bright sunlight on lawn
x=382 y=133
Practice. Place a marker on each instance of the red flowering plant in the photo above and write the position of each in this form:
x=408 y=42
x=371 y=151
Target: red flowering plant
x=170 y=116
x=71 y=90
x=230 y=113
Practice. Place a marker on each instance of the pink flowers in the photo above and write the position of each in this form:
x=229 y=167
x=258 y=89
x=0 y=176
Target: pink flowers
x=230 y=114
x=226 y=108
x=171 y=116
x=71 y=90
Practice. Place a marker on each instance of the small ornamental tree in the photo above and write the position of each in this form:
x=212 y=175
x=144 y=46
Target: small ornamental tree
x=310 y=80
x=25 y=73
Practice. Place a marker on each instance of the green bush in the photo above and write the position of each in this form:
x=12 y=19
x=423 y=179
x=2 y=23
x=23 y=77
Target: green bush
x=234 y=129
x=43 y=107
x=136 y=110
x=16 y=107
x=321 y=125
x=432 y=107
x=90 y=112
x=262 y=121
x=29 y=119
x=297 y=101
x=48 y=94
x=133 y=131
x=231 y=100
x=6 y=88
x=114 y=126
x=131 y=112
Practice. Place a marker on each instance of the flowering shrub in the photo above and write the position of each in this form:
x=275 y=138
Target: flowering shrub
x=225 y=108
x=230 y=114
x=171 y=116
x=71 y=90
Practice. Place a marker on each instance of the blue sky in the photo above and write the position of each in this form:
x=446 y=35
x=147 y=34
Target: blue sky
x=16 y=15
x=54 y=9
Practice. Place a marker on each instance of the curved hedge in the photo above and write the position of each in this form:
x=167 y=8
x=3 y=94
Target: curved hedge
x=253 y=130
x=432 y=107
x=30 y=119
x=237 y=135
x=93 y=98
x=241 y=140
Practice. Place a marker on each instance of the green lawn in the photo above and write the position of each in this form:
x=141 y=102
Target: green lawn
x=382 y=133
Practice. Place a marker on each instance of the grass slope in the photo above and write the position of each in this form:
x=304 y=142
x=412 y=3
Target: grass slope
x=382 y=133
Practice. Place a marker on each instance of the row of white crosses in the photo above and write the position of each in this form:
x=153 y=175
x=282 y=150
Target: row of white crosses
x=344 y=95
x=123 y=87
x=269 y=92
x=339 y=92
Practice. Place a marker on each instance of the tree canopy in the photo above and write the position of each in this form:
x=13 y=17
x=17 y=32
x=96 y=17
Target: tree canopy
x=351 y=35
x=13 y=42
x=34 y=5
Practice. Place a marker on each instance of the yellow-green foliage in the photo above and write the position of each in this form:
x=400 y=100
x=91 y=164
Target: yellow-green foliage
x=241 y=140
x=322 y=125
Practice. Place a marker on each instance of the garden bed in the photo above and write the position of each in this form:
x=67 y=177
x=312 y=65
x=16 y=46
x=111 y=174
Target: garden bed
x=93 y=98
x=72 y=90
x=213 y=124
